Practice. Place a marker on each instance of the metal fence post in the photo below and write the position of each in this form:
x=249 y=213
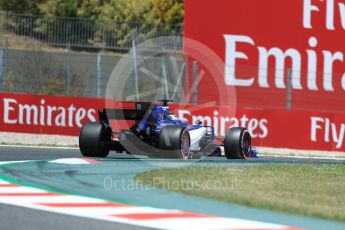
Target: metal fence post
x=1 y=67
x=195 y=82
x=99 y=73
x=289 y=90
x=186 y=79
x=3 y=64
x=68 y=80
x=165 y=79
x=134 y=62
x=180 y=74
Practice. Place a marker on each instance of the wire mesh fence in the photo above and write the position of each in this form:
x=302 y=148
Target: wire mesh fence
x=90 y=75
x=87 y=33
x=68 y=73
x=87 y=74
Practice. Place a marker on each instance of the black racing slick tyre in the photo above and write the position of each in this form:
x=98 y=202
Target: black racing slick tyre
x=94 y=140
x=175 y=140
x=237 y=143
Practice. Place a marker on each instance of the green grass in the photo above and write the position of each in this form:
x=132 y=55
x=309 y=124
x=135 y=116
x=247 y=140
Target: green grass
x=316 y=190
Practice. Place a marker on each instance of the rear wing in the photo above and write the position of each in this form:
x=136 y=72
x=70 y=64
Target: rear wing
x=137 y=113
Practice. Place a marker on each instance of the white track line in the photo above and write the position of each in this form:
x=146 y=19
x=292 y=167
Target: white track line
x=20 y=190
x=303 y=157
x=11 y=162
x=215 y=222
x=57 y=199
x=70 y=161
x=101 y=212
x=111 y=211
x=38 y=146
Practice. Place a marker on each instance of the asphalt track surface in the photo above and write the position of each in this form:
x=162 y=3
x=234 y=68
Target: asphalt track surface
x=112 y=179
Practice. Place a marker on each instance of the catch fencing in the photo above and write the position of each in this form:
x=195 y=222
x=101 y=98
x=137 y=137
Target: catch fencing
x=174 y=76
x=87 y=33
x=70 y=73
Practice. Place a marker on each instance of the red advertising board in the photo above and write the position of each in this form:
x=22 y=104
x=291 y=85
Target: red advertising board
x=261 y=43
x=275 y=128
x=50 y=114
x=46 y=114
x=272 y=128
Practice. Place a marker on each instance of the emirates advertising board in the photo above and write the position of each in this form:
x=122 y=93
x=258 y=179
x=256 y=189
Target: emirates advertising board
x=263 y=42
x=41 y=114
x=268 y=47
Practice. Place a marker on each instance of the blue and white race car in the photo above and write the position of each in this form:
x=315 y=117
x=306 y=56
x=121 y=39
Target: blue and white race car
x=157 y=132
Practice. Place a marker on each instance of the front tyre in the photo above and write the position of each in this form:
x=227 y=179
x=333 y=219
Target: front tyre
x=94 y=140
x=176 y=140
x=237 y=143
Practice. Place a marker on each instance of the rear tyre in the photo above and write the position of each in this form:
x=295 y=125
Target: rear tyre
x=94 y=141
x=176 y=140
x=237 y=143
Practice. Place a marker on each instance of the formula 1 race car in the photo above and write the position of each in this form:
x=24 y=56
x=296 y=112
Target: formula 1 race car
x=157 y=132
